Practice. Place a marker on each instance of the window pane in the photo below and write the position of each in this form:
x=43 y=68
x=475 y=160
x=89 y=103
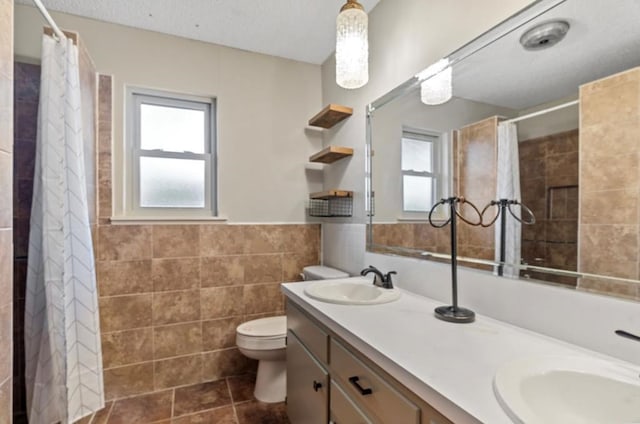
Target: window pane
x=171 y=129
x=417 y=155
x=418 y=193
x=172 y=183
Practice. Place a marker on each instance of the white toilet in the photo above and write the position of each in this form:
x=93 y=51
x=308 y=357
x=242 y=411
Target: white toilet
x=264 y=339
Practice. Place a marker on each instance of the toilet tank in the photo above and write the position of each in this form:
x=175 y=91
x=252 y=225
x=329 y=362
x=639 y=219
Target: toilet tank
x=320 y=272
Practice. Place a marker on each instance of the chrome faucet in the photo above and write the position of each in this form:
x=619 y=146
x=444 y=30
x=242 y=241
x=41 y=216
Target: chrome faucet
x=380 y=279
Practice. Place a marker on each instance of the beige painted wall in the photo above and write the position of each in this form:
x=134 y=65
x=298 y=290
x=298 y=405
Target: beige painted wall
x=405 y=36
x=264 y=103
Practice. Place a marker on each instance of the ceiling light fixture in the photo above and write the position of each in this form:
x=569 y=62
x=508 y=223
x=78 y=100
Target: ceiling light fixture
x=352 y=46
x=437 y=85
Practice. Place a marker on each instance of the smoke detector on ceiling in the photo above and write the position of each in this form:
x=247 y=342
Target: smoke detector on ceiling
x=545 y=35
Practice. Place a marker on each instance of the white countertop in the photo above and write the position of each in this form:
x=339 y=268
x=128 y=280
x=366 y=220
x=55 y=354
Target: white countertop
x=451 y=366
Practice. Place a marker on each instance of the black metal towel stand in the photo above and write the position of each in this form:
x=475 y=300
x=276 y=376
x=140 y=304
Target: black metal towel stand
x=454 y=313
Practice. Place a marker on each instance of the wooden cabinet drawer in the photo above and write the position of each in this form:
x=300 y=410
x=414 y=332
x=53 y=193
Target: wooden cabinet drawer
x=307 y=385
x=369 y=389
x=342 y=410
x=314 y=338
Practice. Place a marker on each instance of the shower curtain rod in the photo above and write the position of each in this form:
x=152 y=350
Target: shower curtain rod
x=540 y=112
x=49 y=19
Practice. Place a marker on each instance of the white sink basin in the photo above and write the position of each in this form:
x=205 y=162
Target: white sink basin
x=351 y=291
x=568 y=390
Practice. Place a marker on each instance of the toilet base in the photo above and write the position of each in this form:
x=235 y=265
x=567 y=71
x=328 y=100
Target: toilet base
x=271 y=381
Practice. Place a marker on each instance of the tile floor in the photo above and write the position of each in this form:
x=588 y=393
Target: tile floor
x=225 y=401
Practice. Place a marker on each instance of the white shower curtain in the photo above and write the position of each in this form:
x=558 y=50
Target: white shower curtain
x=62 y=337
x=508 y=187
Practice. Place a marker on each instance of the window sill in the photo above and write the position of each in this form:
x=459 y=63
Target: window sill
x=129 y=220
x=412 y=219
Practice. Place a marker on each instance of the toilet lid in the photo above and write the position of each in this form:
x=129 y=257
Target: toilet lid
x=264 y=327
x=321 y=272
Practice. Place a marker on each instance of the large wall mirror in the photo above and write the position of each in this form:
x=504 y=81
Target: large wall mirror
x=554 y=92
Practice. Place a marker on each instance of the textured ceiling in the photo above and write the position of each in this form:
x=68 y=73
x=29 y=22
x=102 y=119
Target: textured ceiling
x=604 y=39
x=302 y=30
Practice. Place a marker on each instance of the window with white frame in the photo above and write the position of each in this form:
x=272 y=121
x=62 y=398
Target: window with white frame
x=171 y=155
x=421 y=169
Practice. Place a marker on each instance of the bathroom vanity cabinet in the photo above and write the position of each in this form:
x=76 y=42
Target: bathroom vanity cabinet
x=328 y=380
x=307 y=384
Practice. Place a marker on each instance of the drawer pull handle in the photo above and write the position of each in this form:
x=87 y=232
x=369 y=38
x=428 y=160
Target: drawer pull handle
x=316 y=385
x=354 y=380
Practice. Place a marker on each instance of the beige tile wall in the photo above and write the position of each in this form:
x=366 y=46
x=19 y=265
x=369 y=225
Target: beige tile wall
x=413 y=235
x=171 y=296
x=6 y=211
x=609 y=182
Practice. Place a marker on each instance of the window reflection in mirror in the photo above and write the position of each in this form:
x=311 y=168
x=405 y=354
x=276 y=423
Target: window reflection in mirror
x=421 y=173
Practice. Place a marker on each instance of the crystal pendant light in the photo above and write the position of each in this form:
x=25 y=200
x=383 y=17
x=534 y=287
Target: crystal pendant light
x=438 y=88
x=352 y=46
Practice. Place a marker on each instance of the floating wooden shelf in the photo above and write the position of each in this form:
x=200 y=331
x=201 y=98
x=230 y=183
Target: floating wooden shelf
x=331 y=154
x=331 y=194
x=330 y=115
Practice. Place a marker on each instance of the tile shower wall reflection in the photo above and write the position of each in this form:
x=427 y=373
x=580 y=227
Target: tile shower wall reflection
x=609 y=150
x=549 y=186
x=475 y=170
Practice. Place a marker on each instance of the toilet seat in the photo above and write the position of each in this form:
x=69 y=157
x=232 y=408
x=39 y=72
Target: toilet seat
x=262 y=334
x=260 y=343
x=264 y=327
